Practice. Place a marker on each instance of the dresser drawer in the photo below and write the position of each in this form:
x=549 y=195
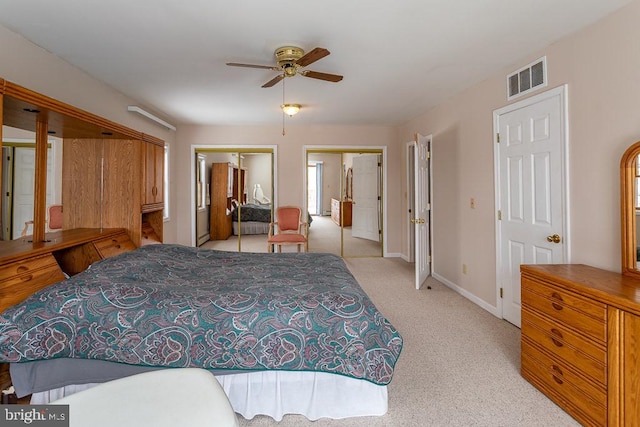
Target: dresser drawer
x=115 y=245
x=17 y=288
x=583 y=400
x=26 y=266
x=583 y=354
x=584 y=315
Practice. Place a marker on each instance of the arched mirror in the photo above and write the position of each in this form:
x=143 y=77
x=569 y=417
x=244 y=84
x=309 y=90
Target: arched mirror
x=630 y=209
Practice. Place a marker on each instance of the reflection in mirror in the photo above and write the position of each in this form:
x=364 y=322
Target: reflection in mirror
x=341 y=226
x=231 y=218
x=365 y=234
x=630 y=209
x=18 y=179
x=637 y=208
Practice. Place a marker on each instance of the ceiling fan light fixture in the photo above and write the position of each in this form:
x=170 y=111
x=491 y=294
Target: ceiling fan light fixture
x=290 y=109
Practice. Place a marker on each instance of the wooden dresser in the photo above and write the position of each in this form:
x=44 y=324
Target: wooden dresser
x=341 y=209
x=581 y=341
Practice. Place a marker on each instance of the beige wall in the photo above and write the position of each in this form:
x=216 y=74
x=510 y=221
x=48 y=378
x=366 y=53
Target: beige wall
x=600 y=65
x=258 y=172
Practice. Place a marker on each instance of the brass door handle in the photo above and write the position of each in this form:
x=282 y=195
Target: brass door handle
x=555 y=238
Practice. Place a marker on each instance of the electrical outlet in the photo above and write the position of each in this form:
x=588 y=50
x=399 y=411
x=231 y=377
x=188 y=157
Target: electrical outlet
x=472 y=203
x=464 y=268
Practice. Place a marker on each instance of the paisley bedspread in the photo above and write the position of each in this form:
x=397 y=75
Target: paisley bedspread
x=176 y=306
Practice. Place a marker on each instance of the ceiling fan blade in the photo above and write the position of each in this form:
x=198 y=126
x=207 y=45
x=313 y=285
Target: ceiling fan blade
x=312 y=56
x=322 y=76
x=266 y=67
x=274 y=80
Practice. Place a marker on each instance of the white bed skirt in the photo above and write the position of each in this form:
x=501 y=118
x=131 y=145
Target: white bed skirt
x=277 y=393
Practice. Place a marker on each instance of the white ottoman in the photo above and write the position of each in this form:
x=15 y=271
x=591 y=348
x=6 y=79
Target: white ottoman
x=167 y=397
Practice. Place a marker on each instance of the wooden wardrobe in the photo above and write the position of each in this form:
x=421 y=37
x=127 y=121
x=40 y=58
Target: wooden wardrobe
x=228 y=183
x=112 y=192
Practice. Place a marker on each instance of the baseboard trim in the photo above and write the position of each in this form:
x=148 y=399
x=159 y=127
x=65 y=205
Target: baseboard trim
x=468 y=295
x=393 y=255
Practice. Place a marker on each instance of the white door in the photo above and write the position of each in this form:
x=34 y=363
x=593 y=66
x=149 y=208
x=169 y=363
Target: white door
x=531 y=194
x=422 y=207
x=23 y=189
x=366 y=200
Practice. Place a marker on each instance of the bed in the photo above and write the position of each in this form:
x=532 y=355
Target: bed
x=283 y=333
x=254 y=219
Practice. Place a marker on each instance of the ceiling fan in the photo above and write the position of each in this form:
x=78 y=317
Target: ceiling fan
x=291 y=60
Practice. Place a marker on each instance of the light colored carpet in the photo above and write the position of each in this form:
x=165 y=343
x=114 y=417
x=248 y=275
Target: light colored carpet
x=460 y=365
x=324 y=236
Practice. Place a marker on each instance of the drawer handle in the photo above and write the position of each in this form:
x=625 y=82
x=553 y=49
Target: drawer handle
x=22 y=269
x=114 y=241
x=27 y=278
x=558 y=297
x=558 y=371
x=117 y=246
x=557 y=334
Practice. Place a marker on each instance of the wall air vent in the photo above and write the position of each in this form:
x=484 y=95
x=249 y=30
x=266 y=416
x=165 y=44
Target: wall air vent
x=527 y=79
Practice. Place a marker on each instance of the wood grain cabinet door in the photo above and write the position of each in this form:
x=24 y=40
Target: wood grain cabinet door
x=153 y=174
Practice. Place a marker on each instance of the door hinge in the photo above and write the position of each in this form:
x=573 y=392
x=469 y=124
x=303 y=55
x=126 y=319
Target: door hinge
x=498 y=138
x=428 y=206
x=428 y=154
x=429 y=260
x=499 y=215
x=500 y=292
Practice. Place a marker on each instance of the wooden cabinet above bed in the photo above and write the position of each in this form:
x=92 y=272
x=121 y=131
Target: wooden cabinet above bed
x=111 y=176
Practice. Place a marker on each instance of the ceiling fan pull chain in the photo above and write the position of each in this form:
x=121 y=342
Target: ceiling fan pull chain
x=281 y=108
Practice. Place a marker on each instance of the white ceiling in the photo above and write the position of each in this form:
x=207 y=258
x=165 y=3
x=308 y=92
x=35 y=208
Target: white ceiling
x=398 y=57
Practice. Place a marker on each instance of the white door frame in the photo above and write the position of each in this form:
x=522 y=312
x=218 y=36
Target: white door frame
x=562 y=92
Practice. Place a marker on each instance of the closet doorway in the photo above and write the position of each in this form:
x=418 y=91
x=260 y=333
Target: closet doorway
x=345 y=198
x=234 y=197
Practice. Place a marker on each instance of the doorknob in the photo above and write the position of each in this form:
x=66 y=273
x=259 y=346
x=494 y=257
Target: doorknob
x=555 y=238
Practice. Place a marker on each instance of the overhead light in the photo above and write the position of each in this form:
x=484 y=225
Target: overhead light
x=290 y=109
x=150 y=116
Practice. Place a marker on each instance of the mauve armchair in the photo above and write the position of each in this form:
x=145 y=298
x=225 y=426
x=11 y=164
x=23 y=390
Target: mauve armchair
x=288 y=229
